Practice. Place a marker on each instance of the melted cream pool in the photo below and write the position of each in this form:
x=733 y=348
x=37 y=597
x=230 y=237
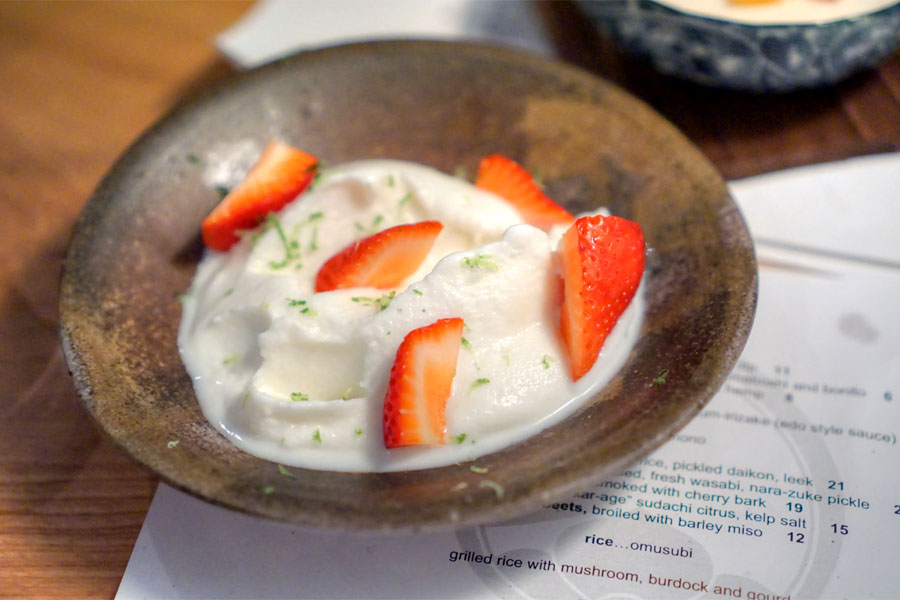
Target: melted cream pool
x=299 y=377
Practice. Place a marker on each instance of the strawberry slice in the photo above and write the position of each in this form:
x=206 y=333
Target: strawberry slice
x=280 y=174
x=602 y=262
x=510 y=181
x=382 y=260
x=421 y=381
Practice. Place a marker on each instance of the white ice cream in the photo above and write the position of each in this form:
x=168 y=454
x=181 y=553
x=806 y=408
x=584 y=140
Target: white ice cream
x=299 y=378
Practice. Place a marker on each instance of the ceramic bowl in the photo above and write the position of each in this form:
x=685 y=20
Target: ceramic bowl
x=744 y=55
x=136 y=246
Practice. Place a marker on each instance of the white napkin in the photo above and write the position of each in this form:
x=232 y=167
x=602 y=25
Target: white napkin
x=274 y=28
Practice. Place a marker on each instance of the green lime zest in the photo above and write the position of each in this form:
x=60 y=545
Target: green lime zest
x=660 y=379
x=496 y=487
x=480 y=382
x=480 y=261
x=381 y=302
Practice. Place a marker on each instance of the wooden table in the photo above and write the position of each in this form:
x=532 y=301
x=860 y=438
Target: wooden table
x=78 y=82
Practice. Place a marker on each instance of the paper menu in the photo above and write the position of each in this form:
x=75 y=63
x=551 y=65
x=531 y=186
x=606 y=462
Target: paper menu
x=827 y=217
x=785 y=486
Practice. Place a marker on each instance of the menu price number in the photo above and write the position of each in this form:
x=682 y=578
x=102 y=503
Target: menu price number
x=839 y=529
x=796 y=537
x=897 y=509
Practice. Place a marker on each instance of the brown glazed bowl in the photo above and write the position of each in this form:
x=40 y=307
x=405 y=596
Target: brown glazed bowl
x=136 y=245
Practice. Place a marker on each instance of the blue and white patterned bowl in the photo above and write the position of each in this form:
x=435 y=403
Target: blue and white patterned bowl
x=744 y=56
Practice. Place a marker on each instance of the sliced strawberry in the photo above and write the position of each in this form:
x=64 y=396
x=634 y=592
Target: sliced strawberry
x=382 y=260
x=280 y=174
x=602 y=262
x=421 y=381
x=510 y=181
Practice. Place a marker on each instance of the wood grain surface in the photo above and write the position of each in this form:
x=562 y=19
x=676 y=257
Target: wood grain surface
x=80 y=81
